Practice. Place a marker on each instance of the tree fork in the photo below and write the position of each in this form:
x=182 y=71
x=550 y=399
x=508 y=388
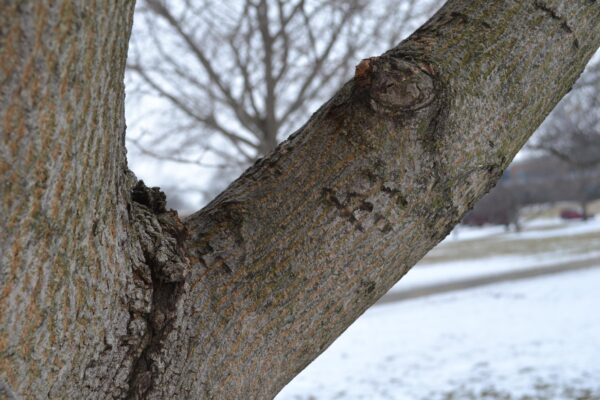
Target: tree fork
x=110 y=295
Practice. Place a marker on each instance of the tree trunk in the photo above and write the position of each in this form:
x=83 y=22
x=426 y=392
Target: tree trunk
x=71 y=303
x=105 y=294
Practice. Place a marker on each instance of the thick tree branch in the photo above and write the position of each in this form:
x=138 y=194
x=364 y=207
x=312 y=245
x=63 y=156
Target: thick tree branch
x=378 y=176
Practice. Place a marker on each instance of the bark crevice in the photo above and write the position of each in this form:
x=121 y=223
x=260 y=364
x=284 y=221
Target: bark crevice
x=554 y=14
x=161 y=235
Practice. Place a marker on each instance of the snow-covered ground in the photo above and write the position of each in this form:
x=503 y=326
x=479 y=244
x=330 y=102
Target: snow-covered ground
x=477 y=252
x=535 y=229
x=527 y=339
x=538 y=337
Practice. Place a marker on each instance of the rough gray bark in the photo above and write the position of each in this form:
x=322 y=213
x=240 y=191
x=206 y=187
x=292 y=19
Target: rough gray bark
x=104 y=293
x=69 y=321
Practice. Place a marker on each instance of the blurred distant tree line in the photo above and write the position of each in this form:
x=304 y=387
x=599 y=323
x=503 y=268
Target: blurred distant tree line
x=545 y=179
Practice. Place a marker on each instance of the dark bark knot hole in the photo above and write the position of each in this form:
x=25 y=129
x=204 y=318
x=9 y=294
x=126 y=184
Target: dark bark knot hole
x=153 y=198
x=395 y=85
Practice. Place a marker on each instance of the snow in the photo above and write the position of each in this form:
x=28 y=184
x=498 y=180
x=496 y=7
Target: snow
x=469 y=232
x=438 y=273
x=551 y=227
x=564 y=229
x=536 y=337
x=428 y=272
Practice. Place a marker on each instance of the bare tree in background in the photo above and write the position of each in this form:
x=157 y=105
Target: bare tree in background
x=572 y=134
x=239 y=74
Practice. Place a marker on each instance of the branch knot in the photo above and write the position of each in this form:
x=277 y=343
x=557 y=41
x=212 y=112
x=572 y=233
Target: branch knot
x=395 y=85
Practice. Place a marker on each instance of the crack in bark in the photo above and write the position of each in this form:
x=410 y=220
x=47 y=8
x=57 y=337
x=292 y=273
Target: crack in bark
x=464 y=18
x=161 y=236
x=553 y=13
x=225 y=251
x=539 y=4
x=395 y=193
x=356 y=207
x=346 y=210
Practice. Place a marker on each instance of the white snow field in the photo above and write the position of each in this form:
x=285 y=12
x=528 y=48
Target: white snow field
x=525 y=339
x=478 y=252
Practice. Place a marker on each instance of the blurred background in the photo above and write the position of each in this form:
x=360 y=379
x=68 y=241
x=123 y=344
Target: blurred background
x=506 y=307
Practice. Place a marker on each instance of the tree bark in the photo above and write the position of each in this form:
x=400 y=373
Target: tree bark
x=105 y=293
x=68 y=315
